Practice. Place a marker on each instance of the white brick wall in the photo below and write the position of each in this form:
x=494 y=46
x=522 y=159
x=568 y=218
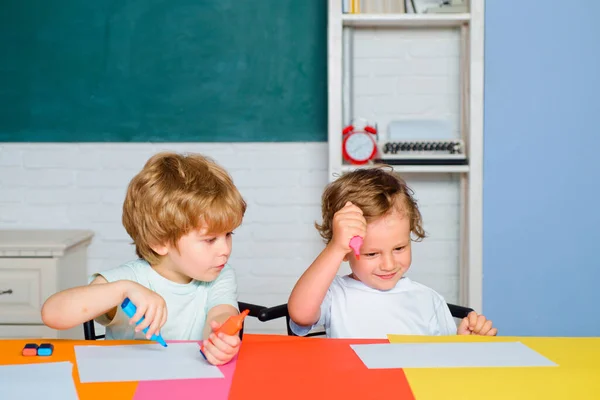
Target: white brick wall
x=82 y=186
x=406 y=74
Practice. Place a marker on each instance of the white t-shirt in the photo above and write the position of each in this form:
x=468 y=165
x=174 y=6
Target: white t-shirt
x=187 y=304
x=351 y=309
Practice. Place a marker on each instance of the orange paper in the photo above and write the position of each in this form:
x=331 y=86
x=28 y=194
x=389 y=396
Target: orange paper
x=304 y=368
x=64 y=351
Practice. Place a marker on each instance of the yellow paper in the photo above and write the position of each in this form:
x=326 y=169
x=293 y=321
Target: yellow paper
x=576 y=377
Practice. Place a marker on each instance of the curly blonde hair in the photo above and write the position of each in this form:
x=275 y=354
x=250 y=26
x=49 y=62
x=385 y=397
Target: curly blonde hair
x=376 y=191
x=176 y=193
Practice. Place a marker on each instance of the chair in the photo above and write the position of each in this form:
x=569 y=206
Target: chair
x=268 y=314
x=89 y=331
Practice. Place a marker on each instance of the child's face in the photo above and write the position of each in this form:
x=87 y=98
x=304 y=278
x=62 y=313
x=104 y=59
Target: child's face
x=198 y=255
x=385 y=255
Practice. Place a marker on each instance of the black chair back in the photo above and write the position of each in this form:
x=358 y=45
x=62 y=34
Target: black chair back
x=268 y=314
x=89 y=331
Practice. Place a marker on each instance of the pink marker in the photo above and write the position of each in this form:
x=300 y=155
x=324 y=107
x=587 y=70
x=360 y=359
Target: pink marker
x=355 y=244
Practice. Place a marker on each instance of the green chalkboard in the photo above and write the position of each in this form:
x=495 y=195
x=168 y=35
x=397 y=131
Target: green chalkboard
x=163 y=70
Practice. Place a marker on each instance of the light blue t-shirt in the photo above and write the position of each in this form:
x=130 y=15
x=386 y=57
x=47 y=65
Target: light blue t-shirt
x=187 y=304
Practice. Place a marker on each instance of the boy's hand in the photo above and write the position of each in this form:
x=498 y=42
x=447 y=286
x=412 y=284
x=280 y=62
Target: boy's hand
x=220 y=349
x=150 y=305
x=347 y=223
x=474 y=324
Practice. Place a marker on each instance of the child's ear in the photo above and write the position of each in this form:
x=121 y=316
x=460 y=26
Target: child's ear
x=161 y=250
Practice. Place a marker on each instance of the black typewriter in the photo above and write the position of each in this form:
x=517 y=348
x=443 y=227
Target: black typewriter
x=422 y=152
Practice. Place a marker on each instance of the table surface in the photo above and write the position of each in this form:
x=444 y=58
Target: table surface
x=284 y=367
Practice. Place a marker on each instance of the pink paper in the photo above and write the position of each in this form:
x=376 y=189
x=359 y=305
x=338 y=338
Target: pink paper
x=213 y=388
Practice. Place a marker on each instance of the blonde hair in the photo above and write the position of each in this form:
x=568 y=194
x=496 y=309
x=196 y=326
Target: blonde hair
x=174 y=194
x=376 y=191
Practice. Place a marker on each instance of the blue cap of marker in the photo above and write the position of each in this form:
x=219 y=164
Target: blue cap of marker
x=130 y=309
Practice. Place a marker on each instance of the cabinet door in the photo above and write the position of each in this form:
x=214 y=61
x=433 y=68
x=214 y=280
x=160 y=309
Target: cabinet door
x=25 y=283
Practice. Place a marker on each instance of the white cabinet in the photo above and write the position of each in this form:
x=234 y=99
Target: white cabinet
x=34 y=264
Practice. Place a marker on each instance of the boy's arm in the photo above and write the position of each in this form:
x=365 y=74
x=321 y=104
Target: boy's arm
x=72 y=307
x=304 y=304
x=222 y=299
x=305 y=300
x=221 y=304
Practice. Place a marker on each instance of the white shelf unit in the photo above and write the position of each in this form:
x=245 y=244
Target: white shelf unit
x=471 y=28
x=426 y=169
x=405 y=20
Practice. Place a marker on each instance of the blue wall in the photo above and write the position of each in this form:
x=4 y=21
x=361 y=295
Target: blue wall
x=542 y=168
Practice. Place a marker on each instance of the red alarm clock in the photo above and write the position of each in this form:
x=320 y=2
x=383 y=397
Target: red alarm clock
x=359 y=145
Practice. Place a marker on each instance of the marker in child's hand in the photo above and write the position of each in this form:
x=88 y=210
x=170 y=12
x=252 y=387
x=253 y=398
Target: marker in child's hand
x=355 y=244
x=130 y=310
x=230 y=327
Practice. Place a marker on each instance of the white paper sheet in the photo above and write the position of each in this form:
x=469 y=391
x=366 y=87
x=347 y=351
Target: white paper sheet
x=449 y=355
x=143 y=362
x=48 y=381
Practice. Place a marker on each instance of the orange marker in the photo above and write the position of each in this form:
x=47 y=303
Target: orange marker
x=232 y=326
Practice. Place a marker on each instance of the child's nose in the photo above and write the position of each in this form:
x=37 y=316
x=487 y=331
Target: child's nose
x=225 y=249
x=388 y=264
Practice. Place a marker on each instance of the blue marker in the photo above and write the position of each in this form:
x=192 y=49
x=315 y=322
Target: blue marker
x=130 y=309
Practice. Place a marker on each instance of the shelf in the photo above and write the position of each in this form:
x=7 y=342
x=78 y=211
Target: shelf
x=417 y=168
x=469 y=30
x=407 y=20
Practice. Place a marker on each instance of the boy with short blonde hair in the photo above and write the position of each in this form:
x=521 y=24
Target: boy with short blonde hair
x=180 y=211
x=376 y=299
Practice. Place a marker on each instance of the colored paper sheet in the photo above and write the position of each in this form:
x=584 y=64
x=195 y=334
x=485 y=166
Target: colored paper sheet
x=449 y=355
x=278 y=368
x=63 y=351
x=143 y=363
x=254 y=338
x=576 y=376
x=213 y=389
x=49 y=381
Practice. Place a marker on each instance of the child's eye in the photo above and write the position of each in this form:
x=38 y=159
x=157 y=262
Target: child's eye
x=371 y=254
x=230 y=233
x=399 y=248
x=211 y=240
